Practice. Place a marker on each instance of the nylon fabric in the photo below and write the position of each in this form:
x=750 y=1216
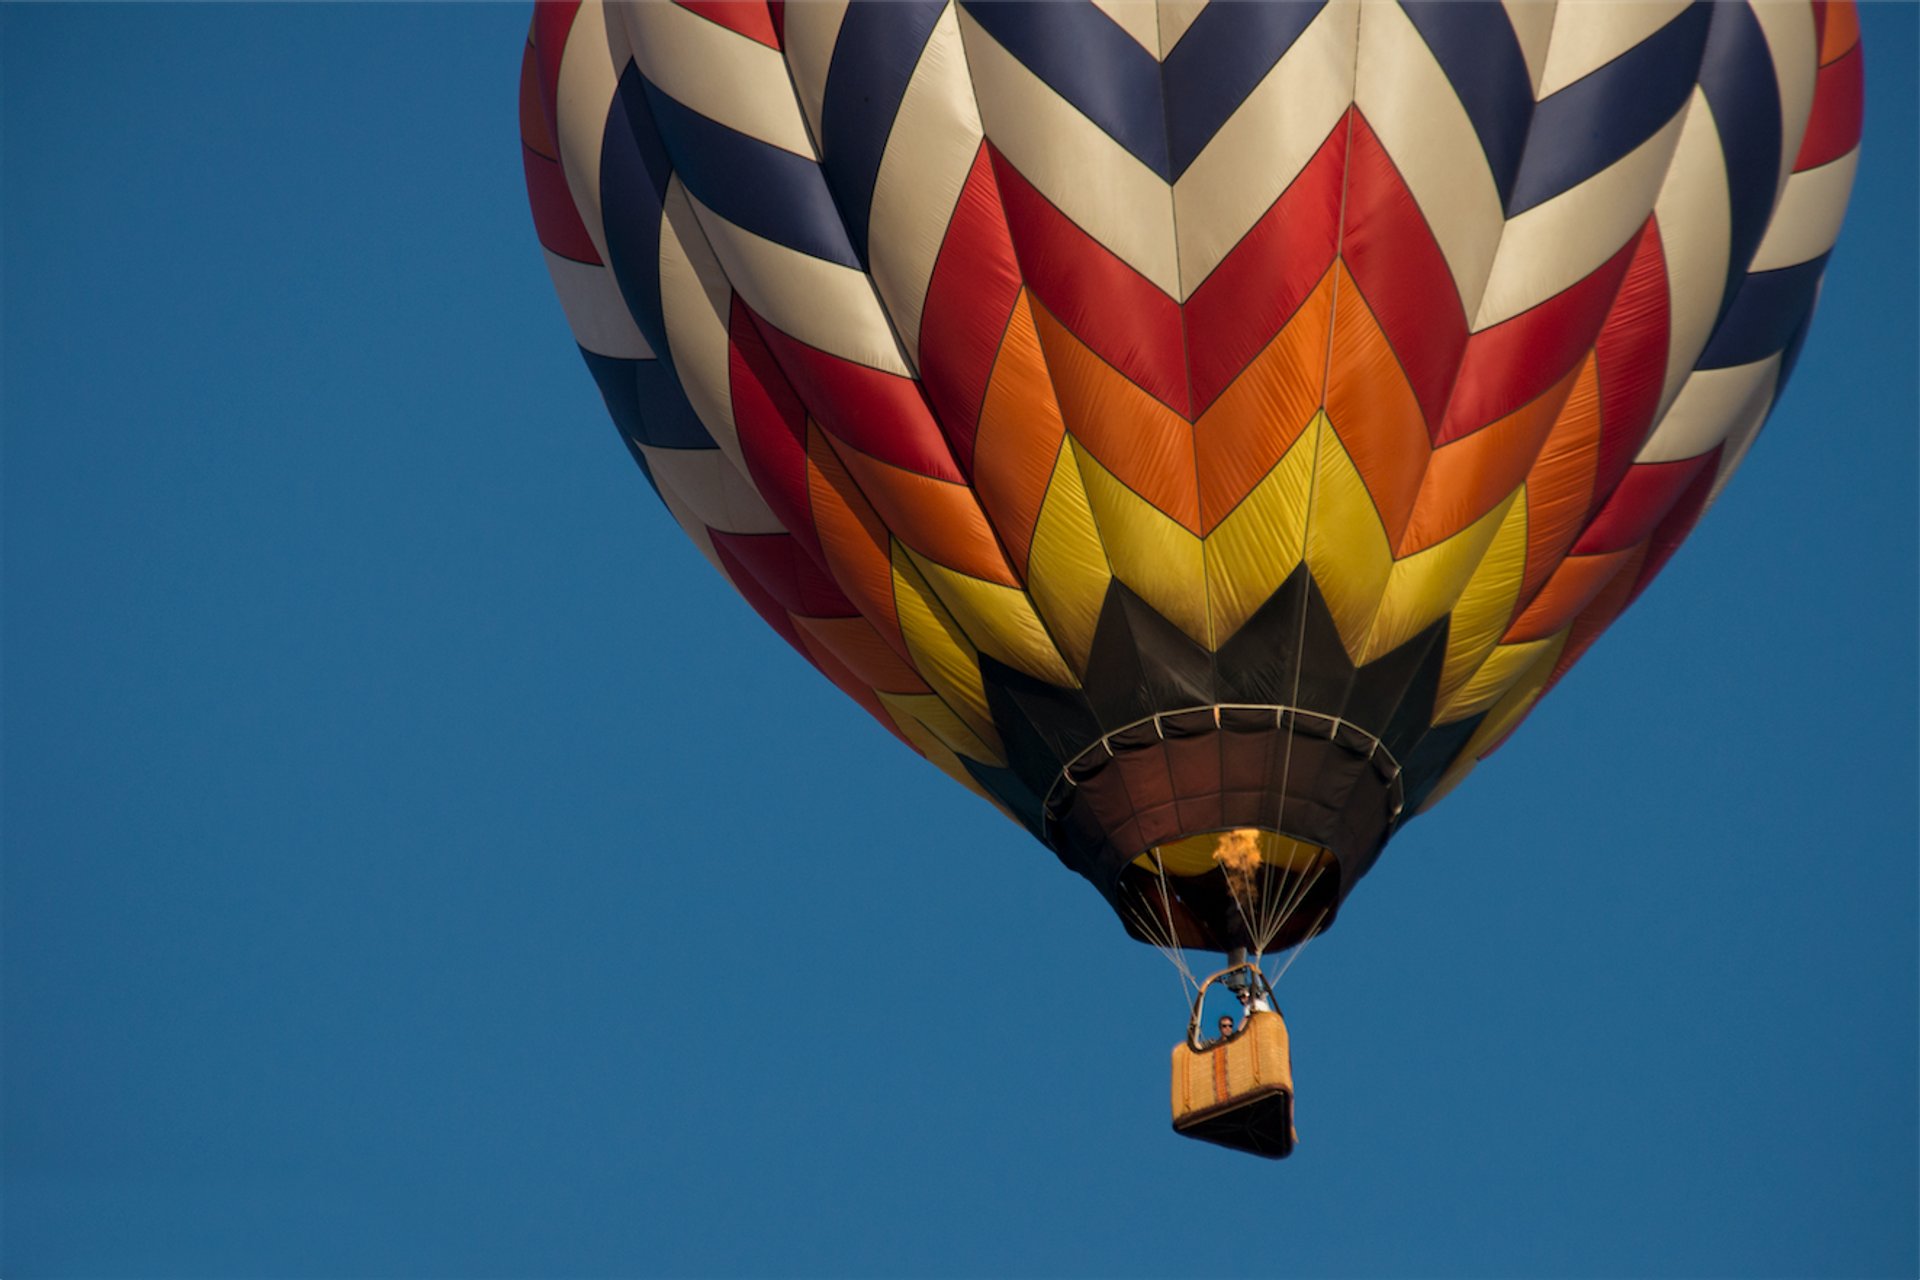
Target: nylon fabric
x=1041 y=372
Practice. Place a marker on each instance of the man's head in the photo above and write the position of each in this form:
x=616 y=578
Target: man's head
x=1226 y=1025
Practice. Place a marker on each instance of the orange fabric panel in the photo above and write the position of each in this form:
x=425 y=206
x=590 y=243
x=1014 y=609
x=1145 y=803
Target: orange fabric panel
x=1600 y=613
x=1145 y=445
x=863 y=652
x=1468 y=477
x=1573 y=586
x=1840 y=31
x=1019 y=435
x=1253 y=423
x=1560 y=485
x=853 y=539
x=1373 y=409
x=937 y=518
x=534 y=131
x=846 y=680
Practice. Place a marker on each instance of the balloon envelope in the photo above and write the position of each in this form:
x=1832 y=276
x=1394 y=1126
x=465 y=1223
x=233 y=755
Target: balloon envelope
x=1179 y=419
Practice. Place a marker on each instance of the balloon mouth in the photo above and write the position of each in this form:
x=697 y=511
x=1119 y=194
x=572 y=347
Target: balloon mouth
x=1180 y=894
x=1227 y=826
x=1271 y=890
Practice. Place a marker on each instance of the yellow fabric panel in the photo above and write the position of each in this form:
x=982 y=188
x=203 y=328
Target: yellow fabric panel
x=1193 y=855
x=1522 y=691
x=941 y=653
x=1251 y=552
x=1506 y=667
x=1067 y=572
x=1425 y=585
x=1141 y=441
x=1000 y=622
x=1347 y=547
x=1487 y=602
x=938 y=734
x=1148 y=549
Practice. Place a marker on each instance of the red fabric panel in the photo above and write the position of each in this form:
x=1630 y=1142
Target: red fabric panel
x=552 y=22
x=1258 y=286
x=1399 y=267
x=1645 y=495
x=881 y=414
x=1678 y=523
x=745 y=17
x=556 y=220
x=1517 y=359
x=972 y=292
x=1115 y=310
x=772 y=427
x=759 y=597
x=791 y=576
x=1631 y=358
x=1839 y=101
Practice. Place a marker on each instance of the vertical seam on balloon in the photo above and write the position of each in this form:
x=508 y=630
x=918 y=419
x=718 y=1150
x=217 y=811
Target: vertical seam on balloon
x=1067 y=438
x=1323 y=424
x=1186 y=369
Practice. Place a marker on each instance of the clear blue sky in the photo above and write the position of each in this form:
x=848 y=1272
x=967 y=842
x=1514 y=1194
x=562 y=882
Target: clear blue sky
x=418 y=862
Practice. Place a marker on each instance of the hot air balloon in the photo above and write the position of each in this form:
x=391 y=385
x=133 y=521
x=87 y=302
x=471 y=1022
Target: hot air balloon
x=1203 y=431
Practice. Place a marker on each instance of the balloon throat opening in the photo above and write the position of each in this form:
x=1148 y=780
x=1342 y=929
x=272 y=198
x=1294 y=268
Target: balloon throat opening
x=1248 y=891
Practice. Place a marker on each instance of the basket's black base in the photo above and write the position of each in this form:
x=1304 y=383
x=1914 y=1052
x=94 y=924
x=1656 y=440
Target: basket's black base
x=1260 y=1124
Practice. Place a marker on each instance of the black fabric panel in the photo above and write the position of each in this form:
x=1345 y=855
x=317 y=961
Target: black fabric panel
x=1428 y=761
x=1256 y=662
x=1399 y=685
x=1013 y=791
x=1041 y=725
x=1141 y=663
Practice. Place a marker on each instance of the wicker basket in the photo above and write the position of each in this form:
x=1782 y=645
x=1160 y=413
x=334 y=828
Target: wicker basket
x=1238 y=1092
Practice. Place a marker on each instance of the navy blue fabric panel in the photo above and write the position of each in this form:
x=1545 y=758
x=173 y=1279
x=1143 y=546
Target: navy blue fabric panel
x=1603 y=116
x=1737 y=77
x=1088 y=60
x=756 y=186
x=1432 y=756
x=1475 y=45
x=879 y=47
x=645 y=401
x=633 y=178
x=641 y=459
x=1768 y=310
x=1006 y=786
x=1791 y=356
x=1222 y=57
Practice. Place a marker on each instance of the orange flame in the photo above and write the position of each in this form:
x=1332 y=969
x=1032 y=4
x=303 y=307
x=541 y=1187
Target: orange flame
x=1238 y=854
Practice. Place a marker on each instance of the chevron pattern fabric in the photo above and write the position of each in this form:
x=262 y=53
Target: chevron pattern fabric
x=1037 y=370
